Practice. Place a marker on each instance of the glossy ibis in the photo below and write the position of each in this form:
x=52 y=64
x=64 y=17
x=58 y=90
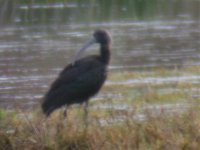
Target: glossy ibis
x=82 y=78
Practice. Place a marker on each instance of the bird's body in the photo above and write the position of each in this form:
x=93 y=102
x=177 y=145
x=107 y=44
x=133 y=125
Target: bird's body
x=81 y=80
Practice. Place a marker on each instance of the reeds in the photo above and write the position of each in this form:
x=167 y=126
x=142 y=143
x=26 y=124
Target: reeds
x=157 y=131
x=147 y=116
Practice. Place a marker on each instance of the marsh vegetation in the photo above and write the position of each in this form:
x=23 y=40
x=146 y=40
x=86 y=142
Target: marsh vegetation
x=163 y=114
x=151 y=97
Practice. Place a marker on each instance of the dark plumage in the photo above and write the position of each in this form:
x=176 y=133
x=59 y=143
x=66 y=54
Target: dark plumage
x=81 y=79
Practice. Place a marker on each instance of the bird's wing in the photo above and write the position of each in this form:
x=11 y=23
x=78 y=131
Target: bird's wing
x=79 y=79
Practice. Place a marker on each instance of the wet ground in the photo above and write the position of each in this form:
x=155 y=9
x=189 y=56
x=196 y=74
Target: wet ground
x=31 y=56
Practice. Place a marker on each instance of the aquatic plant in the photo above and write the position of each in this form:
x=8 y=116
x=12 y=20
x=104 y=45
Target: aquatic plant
x=145 y=115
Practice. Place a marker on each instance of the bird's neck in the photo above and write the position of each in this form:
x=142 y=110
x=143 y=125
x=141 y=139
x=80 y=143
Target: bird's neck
x=105 y=53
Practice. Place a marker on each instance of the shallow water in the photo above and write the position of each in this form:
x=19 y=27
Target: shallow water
x=31 y=55
x=144 y=112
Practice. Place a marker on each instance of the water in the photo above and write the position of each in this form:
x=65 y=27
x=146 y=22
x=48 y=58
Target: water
x=38 y=40
x=144 y=112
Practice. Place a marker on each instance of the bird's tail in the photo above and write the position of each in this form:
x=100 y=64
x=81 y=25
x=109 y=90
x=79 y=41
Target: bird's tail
x=47 y=108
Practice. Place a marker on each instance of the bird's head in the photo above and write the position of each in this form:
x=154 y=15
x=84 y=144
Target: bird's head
x=100 y=36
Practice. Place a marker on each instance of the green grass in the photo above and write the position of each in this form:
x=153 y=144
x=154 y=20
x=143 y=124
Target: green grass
x=150 y=121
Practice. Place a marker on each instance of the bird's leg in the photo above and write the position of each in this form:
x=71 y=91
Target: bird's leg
x=65 y=112
x=86 y=109
x=85 y=106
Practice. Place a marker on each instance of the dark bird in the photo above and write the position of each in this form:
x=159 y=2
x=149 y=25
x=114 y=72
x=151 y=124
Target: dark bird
x=81 y=79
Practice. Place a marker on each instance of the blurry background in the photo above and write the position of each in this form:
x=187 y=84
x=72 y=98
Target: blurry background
x=39 y=37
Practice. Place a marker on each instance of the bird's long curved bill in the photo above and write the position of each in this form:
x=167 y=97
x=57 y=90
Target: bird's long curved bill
x=88 y=44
